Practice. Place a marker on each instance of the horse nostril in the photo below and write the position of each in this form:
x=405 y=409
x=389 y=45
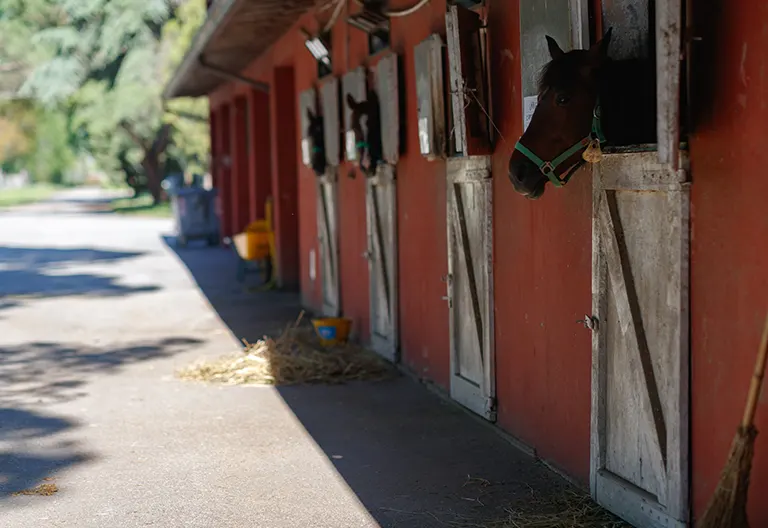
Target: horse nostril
x=519 y=171
x=526 y=178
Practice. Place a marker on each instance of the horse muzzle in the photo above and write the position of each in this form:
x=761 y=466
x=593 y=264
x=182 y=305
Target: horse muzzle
x=526 y=177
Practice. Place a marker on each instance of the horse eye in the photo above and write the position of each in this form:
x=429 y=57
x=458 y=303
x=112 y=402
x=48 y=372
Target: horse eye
x=562 y=99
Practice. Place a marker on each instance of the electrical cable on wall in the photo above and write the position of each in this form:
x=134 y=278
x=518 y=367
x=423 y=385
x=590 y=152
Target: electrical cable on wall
x=335 y=15
x=402 y=12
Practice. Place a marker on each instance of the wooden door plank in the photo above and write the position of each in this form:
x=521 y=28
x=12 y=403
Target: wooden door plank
x=328 y=243
x=469 y=264
x=330 y=103
x=388 y=87
x=668 y=50
x=678 y=486
x=470 y=290
x=598 y=430
x=379 y=243
x=629 y=180
x=628 y=308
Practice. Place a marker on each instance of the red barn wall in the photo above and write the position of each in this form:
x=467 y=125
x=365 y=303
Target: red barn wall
x=259 y=152
x=542 y=250
x=350 y=50
x=542 y=275
x=241 y=185
x=729 y=283
x=422 y=226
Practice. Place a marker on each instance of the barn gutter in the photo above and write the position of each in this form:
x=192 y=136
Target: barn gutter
x=231 y=76
x=219 y=14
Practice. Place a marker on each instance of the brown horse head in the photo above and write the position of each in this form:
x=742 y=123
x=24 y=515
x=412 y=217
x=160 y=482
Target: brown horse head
x=316 y=142
x=368 y=140
x=568 y=93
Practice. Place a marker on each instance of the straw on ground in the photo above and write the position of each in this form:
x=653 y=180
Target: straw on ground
x=294 y=357
x=42 y=489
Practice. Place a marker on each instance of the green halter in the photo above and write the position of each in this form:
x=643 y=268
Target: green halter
x=548 y=168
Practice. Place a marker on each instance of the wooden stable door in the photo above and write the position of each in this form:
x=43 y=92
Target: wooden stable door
x=328 y=236
x=381 y=200
x=470 y=284
x=640 y=364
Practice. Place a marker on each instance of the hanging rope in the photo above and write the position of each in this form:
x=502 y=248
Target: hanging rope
x=402 y=12
x=334 y=16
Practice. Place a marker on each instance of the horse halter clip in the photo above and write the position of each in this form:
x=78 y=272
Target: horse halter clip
x=547 y=168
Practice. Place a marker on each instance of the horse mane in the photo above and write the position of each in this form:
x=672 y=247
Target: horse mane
x=562 y=72
x=627 y=90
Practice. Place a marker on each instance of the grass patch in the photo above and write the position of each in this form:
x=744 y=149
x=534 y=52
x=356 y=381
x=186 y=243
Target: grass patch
x=141 y=205
x=26 y=195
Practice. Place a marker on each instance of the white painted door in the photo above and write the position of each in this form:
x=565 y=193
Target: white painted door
x=470 y=284
x=381 y=200
x=327 y=225
x=639 y=447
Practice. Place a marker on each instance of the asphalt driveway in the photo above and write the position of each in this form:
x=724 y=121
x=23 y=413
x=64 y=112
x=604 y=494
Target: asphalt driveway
x=96 y=313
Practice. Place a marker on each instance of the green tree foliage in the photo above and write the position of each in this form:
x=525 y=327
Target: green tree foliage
x=105 y=63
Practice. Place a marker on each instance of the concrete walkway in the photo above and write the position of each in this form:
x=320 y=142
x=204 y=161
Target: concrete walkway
x=96 y=313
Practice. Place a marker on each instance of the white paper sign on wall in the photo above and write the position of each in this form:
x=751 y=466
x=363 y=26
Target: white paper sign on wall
x=529 y=106
x=305 y=155
x=350 y=145
x=312 y=272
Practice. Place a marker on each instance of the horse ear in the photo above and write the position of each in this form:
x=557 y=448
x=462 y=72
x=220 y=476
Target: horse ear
x=554 y=50
x=599 y=50
x=351 y=101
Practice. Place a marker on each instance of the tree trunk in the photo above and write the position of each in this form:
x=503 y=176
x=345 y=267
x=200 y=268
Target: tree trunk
x=153 y=170
x=152 y=163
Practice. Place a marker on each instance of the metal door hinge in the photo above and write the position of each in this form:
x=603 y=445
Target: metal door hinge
x=490 y=408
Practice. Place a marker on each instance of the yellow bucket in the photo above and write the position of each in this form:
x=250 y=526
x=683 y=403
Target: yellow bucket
x=332 y=330
x=253 y=244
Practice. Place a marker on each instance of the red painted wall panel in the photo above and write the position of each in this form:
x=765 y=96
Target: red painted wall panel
x=285 y=177
x=240 y=190
x=542 y=274
x=542 y=262
x=305 y=77
x=350 y=50
x=730 y=238
x=223 y=169
x=259 y=153
x=422 y=220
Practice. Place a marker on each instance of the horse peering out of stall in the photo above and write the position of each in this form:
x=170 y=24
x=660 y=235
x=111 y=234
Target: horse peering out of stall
x=316 y=143
x=368 y=143
x=586 y=100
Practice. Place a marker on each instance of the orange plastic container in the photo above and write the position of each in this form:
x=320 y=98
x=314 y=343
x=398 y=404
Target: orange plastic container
x=332 y=330
x=253 y=243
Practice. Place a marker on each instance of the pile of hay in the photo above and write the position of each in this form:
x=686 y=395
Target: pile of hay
x=293 y=358
x=571 y=511
x=567 y=509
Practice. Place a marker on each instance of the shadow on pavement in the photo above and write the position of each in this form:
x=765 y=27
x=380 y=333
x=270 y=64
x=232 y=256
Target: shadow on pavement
x=27 y=463
x=412 y=459
x=42 y=372
x=34 y=446
x=40 y=273
x=250 y=315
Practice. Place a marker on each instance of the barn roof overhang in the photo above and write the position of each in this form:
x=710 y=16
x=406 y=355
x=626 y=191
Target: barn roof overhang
x=234 y=33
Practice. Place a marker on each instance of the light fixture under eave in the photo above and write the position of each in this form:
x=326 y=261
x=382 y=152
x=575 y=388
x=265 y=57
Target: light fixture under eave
x=318 y=50
x=368 y=20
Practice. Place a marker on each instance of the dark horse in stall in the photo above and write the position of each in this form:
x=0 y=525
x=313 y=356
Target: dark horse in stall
x=367 y=142
x=316 y=143
x=585 y=100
